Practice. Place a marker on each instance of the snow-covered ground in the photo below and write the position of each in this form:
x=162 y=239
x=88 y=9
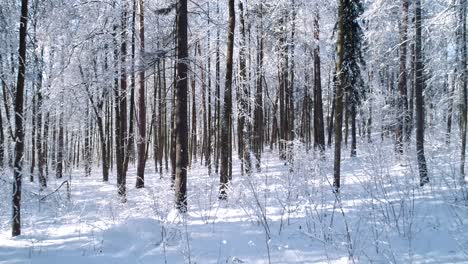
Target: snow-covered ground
x=279 y=214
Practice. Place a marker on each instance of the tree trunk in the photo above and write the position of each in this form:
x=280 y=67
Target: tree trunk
x=419 y=86
x=19 y=129
x=227 y=110
x=402 y=80
x=209 y=117
x=319 y=130
x=181 y=125
x=87 y=143
x=218 y=97
x=339 y=97
x=204 y=152
x=353 y=129
x=121 y=107
x=463 y=87
x=244 y=112
x=451 y=94
x=258 y=105
x=140 y=182
x=193 y=134
x=60 y=147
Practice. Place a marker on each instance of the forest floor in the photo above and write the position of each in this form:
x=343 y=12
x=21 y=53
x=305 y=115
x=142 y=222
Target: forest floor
x=285 y=214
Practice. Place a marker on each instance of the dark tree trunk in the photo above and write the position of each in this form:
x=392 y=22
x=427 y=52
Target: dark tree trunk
x=156 y=118
x=411 y=93
x=39 y=143
x=353 y=129
x=218 y=97
x=60 y=148
x=130 y=137
x=244 y=111
x=227 y=110
x=19 y=129
x=140 y=182
x=319 y=129
x=204 y=115
x=45 y=149
x=209 y=115
x=283 y=88
x=121 y=107
x=33 y=115
x=332 y=118
x=463 y=87
x=402 y=80
x=450 y=112
x=193 y=134
x=258 y=105
x=87 y=143
x=339 y=97
x=290 y=91
x=181 y=117
x=419 y=86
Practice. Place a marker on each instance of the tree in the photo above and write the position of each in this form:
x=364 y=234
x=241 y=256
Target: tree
x=121 y=107
x=463 y=79
x=340 y=80
x=60 y=147
x=319 y=129
x=403 y=117
x=258 y=130
x=140 y=182
x=19 y=129
x=227 y=109
x=209 y=136
x=352 y=61
x=419 y=86
x=217 y=133
x=244 y=94
x=181 y=117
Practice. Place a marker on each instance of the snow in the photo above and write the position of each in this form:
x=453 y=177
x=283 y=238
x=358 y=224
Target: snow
x=288 y=216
